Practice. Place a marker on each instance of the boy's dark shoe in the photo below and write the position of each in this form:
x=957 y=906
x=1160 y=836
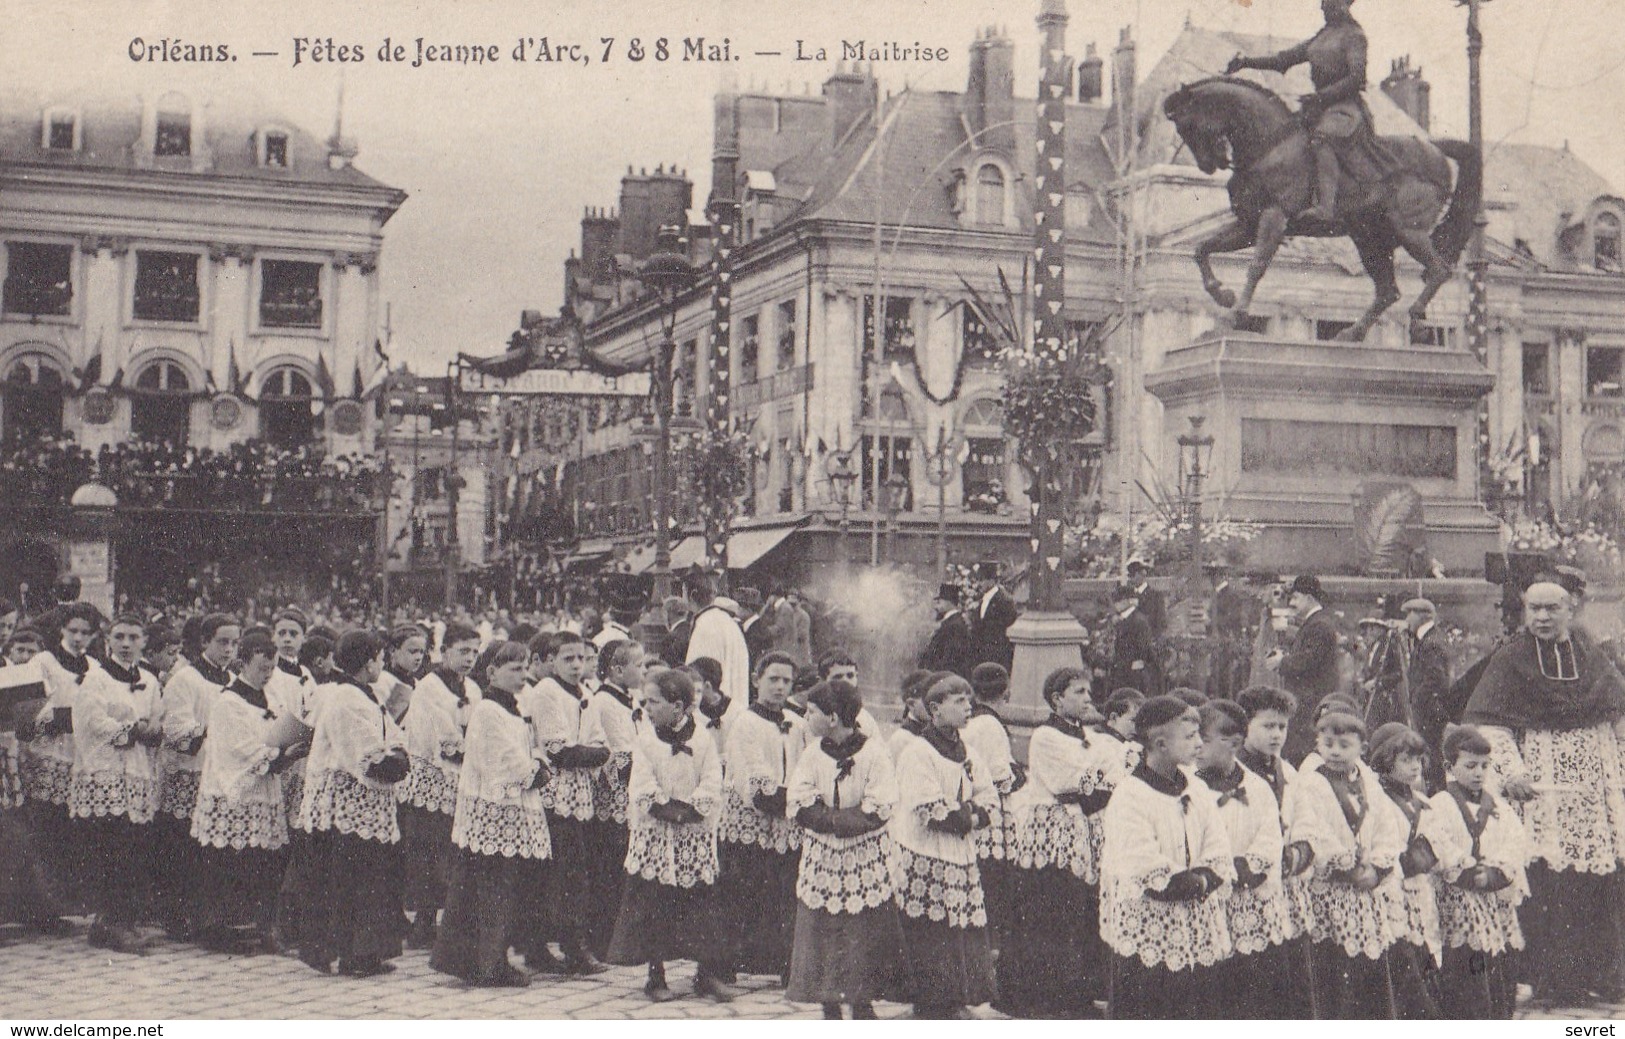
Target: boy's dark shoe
x=582 y=963
x=721 y=991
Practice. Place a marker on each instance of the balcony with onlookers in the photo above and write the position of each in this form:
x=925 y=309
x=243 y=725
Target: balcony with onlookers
x=252 y=477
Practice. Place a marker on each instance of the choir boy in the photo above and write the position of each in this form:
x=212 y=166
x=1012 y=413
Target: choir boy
x=500 y=828
x=1269 y=711
x=848 y=945
x=758 y=842
x=1053 y=964
x=1334 y=807
x=555 y=706
x=717 y=713
x=1117 y=715
x=987 y=736
x=1396 y=755
x=1255 y=905
x=357 y=756
x=611 y=720
x=188 y=699
x=944 y=792
x=241 y=819
x=433 y=724
x=915 y=718
x=113 y=789
x=668 y=906
x=1483 y=852
x=1165 y=859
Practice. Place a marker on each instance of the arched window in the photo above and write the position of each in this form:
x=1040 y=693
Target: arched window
x=982 y=475
x=1605 y=238
x=32 y=399
x=985 y=416
x=989 y=194
x=287 y=405
x=173 y=134
x=160 y=407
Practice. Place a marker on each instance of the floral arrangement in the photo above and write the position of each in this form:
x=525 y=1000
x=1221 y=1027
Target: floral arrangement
x=1047 y=406
x=1589 y=548
x=721 y=467
x=1097 y=549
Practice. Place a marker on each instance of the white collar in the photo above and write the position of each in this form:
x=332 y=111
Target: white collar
x=1124 y=614
x=1424 y=629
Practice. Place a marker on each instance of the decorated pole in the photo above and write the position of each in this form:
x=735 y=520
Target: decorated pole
x=1049 y=347
x=716 y=503
x=1047 y=406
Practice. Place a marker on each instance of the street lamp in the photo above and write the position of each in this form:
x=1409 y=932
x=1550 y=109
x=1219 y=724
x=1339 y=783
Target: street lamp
x=454 y=483
x=893 y=494
x=843 y=477
x=668 y=272
x=1195 y=462
x=940 y=460
x=1478 y=304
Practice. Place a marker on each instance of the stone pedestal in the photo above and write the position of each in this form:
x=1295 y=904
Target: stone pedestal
x=1299 y=427
x=88 y=545
x=1042 y=643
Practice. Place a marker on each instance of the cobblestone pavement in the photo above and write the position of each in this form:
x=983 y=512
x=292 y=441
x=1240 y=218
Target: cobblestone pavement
x=53 y=979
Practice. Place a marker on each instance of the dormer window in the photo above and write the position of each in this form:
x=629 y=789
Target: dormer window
x=173 y=135
x=1605 y=242
x=276 y=149
x=989 y=195
x=60 y=131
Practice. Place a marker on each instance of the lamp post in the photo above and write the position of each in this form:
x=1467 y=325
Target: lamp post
x=894 y=493
x=454 y=481
x=667 y=272
x=843 y=475
x=1195 y=462
x=1478 y=304
x=940 y=461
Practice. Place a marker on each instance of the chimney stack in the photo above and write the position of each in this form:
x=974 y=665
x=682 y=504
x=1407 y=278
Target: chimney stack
x=849 y=96
x=991 y=85
x=1406 y=88
x=1091 y=77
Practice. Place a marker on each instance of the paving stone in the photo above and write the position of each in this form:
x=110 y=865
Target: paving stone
x=57 y=978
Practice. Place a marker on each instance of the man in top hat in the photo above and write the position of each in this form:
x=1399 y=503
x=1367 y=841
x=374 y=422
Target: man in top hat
x=1136 y=664
x=990 y=620
x=1429 y=673
x=1308 y=667
x=950 y=645
x=1153 y=604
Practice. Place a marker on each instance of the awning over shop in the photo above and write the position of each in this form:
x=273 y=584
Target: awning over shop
x=747 y=547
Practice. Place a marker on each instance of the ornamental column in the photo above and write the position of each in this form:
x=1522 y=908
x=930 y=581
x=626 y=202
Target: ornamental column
x=1047 y=636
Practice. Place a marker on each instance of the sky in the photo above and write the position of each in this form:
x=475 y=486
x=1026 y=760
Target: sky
x=500 y=160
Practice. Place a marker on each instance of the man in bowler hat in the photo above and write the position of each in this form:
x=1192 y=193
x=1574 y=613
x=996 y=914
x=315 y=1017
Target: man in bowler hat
x=1308 y=667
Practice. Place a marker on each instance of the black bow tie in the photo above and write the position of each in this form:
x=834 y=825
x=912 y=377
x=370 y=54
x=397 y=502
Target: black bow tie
x=288 y=667
x=1238 y=795
x=681 y=748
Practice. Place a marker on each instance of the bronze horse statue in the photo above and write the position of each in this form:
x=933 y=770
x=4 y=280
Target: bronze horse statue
x=1238 y=124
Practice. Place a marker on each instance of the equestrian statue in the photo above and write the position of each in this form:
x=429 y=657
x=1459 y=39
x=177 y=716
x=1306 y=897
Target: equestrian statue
x=1324 y=172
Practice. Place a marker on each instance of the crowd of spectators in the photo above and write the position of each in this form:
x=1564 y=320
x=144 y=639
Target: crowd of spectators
x=248 y=476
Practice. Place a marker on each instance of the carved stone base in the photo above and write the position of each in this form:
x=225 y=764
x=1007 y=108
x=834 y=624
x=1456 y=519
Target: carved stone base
x=1042 y=642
